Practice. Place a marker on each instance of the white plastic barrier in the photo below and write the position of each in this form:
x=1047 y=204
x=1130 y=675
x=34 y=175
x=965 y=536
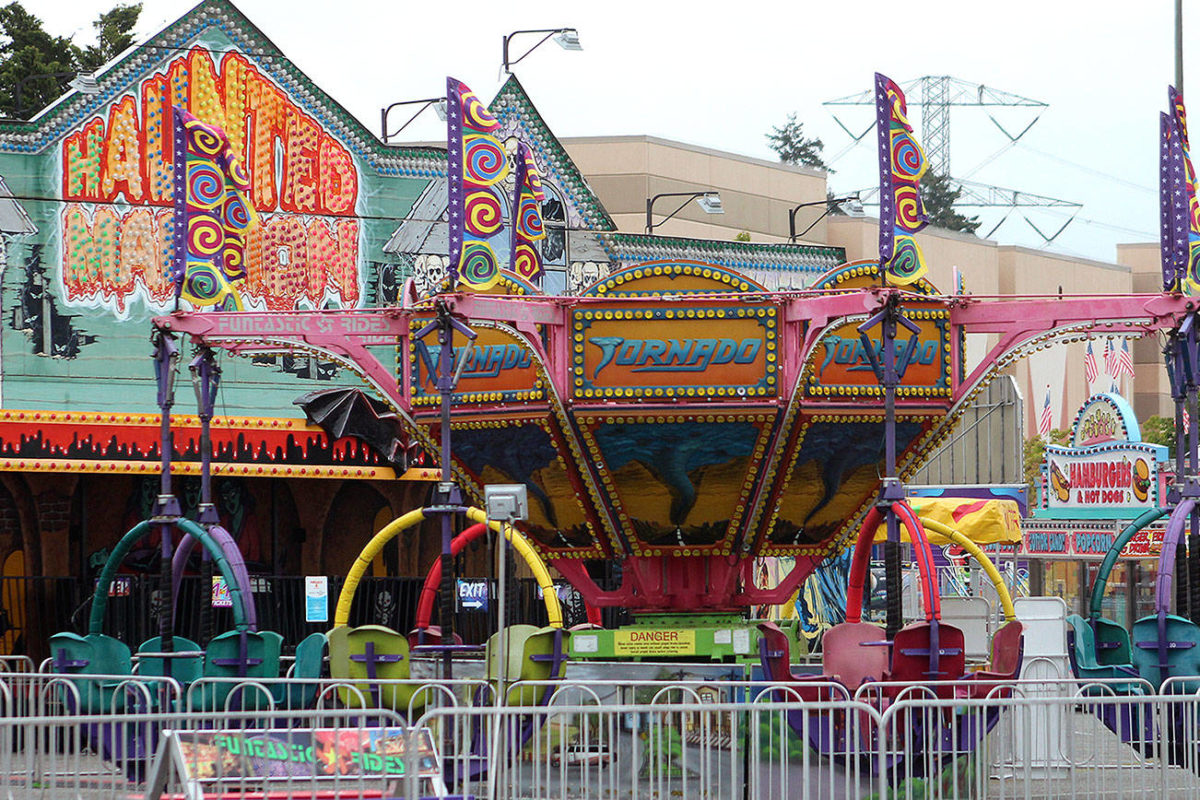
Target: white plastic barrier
x=1040 y=730
x=971 y=615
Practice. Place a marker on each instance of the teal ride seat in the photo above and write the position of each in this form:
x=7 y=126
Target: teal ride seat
x=371 y=653
x=94 y=654
x=310 y=661
x=185 y=667
x=1112 y=642
x=530 y=654
x=223 y=659
x=1182 y=650
x=1081 y=647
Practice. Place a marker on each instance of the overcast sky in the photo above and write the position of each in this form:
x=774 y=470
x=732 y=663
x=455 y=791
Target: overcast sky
x=722 y=78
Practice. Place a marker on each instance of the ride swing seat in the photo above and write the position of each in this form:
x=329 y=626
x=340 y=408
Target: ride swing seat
x=1008 y=653
x=93 y=654
x=531 y=654
x=1084 y=653
x=241 y=654
x=1166 y=646
x=372 y=659
x=308 y=666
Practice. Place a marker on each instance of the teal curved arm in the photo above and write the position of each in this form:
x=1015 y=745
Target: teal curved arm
x=135 y=534
x=1114 y=552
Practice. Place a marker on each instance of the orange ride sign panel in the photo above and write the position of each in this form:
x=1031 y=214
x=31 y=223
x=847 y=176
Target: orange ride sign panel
x=705 y=351
x=841 y=367
x=498 y=368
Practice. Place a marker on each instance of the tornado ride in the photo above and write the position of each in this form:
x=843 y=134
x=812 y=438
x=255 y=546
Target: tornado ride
x=679 y=421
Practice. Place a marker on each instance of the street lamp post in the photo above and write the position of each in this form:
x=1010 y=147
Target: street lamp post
x=830 y=204
x=708 y=200
x=566 y=38
x=438 y=103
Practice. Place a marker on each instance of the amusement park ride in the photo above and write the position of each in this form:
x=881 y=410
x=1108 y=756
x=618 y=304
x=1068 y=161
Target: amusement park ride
x=680 y=421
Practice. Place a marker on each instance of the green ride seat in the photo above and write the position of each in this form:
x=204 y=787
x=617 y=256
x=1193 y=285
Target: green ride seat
x=1182 y=652
x=1112 y=642
x=183 y=668
x=310 y=660
x=223 y=659
x=372 y=653
x=94 y=654
x=1081 y=646
x=531 y=654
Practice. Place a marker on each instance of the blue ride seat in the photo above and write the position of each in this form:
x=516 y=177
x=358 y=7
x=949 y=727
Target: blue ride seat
x=310 y=661
x=94 y=654
x=1081 y=647
x=224 y=659
x=1182 y=650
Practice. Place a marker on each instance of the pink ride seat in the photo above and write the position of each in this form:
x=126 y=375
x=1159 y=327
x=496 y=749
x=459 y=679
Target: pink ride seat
x=856 y=652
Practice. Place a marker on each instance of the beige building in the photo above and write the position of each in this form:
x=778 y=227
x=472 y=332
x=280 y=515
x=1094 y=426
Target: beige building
x=624 y=171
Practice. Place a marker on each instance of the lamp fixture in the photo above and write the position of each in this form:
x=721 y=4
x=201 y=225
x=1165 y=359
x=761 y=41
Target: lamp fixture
x=852 y=201
x=566 y=38
x=439 y=107
x=708 y=200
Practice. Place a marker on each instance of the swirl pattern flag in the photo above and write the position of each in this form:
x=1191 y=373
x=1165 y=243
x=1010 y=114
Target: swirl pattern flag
x=527 y=226
x=476 y=162
x=1180 y=210
x=212 y=215
x=902 y=162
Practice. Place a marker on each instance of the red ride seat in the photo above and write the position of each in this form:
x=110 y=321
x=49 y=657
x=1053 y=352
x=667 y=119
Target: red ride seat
x=856 y=652
x=774 y=652
x=1008 y=650
x=910 y=657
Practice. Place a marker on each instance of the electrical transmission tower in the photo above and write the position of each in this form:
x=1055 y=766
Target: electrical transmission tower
x=938 y=94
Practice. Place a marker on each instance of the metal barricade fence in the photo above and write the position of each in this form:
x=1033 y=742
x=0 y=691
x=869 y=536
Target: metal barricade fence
x=647 y=739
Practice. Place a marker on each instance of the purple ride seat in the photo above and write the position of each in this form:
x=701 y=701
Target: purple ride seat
x=910 y=657
x=775 y=653
x=855 y=652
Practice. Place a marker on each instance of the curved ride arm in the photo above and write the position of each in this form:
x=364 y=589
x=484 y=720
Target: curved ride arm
x=1114 y=552
x=237 y=592
x=963 y=541
x=1165 y=584
x=403 y=523
x=225 y=541
x=862 y=558
x=434 y=577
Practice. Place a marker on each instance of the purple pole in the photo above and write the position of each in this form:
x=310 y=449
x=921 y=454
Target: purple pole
x=166 y=509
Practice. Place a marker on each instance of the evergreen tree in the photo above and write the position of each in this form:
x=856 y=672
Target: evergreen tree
x=938 y=194
x=793 y=147
x=39 y=66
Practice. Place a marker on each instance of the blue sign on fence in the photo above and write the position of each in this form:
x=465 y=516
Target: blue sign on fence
x=472 y=595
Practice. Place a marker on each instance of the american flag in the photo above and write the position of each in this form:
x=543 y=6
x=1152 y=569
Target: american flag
x=1187 y=419
x=1046 y=420
x=1124 y=361
x=1110 y=358
x=1089 y=365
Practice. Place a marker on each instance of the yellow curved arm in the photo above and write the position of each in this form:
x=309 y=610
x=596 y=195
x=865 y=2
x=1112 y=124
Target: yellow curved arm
x=536 y=565
x=400 y=524
x=977 y=553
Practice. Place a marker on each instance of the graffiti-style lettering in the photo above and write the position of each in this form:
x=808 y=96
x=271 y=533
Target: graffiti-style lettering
x=300 y=177
x=843 y=351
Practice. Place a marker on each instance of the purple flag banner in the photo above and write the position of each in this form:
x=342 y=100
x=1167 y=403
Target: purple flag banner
x=901 y=165
x=476 y=162
x=212 y=215
x=1185 y=233
x=527 y=226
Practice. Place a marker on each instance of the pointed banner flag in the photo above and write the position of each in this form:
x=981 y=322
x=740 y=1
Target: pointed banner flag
x=1090 y=369
x=901 y=165
x=527 y=224
x=1181 y=211
x=476 y=162
x=212 y=215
